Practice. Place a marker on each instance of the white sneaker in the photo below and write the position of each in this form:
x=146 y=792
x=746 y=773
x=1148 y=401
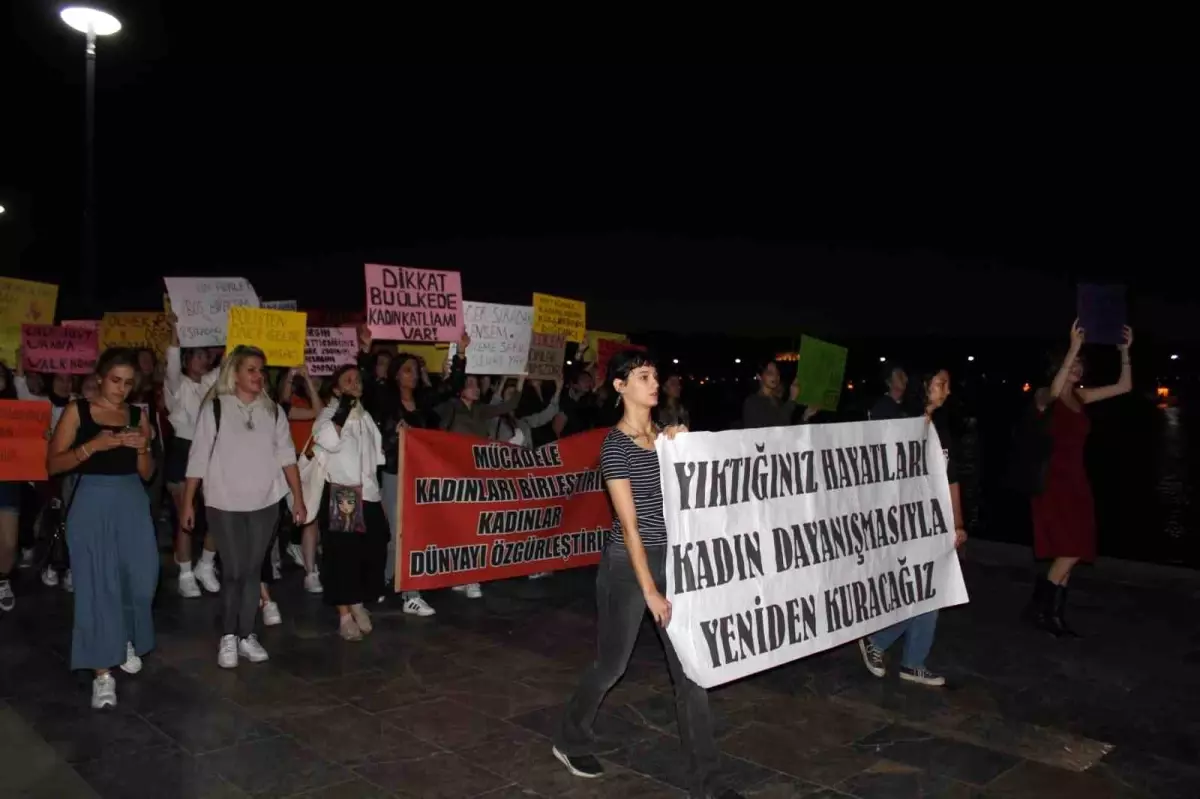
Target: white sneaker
x=49 y=577
x=188 y=589
x=68 y=582
x=104 y=691
x=252 y=650
x=312 y=583
x=26 y=558
x=133 y=663
x=416 y=606
x=540 y=575
x=207 y=576
x=473 y=591
x=296 y=554
x=271 y=615
x=7 y=600
x=227 y=655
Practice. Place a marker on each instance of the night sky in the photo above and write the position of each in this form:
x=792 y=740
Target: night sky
x=756 y=199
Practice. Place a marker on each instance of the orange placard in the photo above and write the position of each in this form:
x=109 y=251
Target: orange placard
x=474 y=510
x=23 y=426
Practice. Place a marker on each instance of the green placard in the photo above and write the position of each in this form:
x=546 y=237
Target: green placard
x=820 y=371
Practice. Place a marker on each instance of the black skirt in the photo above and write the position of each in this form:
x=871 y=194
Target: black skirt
x=352 y=564
x=175 y=466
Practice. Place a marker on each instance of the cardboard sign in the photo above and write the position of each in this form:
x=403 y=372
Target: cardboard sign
x=820 y=372
x=810 y=552
x=1102 y=313
x=23 y=426
x=59 y=350
x=201 y=304
x=546 y=357
x=434 y=355
x=23 y=302
x=137 y=330
x=500 y=338
x=279 y=305
x=279 y=334
x=406 y=304
x=81 y=323
x=559 y=316
x=328 y=348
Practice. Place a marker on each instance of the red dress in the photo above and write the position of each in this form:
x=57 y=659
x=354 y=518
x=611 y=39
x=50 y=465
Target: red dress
x=1064 y=516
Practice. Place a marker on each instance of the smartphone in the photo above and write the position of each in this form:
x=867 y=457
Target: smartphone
x=453 y=351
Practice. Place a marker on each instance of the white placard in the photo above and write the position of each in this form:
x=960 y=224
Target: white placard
x=202 y=306
x=787 y=541
x=500 y=337
x=327 y=348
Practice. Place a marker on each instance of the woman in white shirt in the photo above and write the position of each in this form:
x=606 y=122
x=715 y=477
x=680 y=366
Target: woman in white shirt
x=186 y=380
x=354 y=528
x=242 y=451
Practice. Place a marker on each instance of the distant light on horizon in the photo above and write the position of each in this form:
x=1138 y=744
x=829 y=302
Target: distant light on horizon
x=970 y=357
x=1 y=209
x=737 y=360
x=1174 y=357
x=675 y=360
x=570 y=363
x=883 y=359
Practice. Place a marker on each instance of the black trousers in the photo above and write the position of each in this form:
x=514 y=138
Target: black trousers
x=620 y=609
x=352 y=564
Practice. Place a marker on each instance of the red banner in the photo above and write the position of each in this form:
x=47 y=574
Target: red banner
x=23 y=426
x=473 y=510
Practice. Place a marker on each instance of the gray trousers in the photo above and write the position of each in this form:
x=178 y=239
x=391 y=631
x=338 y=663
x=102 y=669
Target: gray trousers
x=242 y=538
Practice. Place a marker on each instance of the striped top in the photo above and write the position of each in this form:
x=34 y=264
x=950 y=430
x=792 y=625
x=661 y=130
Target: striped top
x=622 y=459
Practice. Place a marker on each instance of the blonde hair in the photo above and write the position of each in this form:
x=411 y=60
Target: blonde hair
x=226 y=382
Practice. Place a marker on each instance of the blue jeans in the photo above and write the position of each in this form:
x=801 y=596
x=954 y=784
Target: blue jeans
x=918 y=632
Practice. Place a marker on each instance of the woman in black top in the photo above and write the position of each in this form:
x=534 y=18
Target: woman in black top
x=114 y=555
x=919 y=631
x=631 y=580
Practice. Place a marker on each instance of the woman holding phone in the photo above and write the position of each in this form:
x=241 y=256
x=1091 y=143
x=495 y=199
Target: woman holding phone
x=632 y=580
x=114 y=555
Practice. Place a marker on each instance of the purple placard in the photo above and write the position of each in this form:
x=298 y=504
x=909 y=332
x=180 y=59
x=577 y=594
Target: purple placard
x=1101 y=311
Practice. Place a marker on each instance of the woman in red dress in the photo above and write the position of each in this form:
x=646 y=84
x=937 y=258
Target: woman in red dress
x=1064 y=516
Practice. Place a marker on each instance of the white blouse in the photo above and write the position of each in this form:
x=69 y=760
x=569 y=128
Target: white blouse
x=352 y=457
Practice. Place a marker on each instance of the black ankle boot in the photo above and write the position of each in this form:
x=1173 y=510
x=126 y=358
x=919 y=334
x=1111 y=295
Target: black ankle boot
x=1059 y=613
x=1035 y=612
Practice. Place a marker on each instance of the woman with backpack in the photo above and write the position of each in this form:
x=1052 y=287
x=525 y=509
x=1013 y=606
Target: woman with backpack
x=114 y=554
x=243 y=454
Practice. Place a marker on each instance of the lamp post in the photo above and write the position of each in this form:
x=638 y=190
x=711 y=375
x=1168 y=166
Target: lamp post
x=92 y=23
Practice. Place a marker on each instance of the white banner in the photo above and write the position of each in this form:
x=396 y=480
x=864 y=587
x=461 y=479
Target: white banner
x=280 y=305
x=327 y=348
x=792 y=540
x=500 y=337
x=202 y=306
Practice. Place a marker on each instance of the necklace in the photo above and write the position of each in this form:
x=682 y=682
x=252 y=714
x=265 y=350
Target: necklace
x=248 y=410
x=634 y=434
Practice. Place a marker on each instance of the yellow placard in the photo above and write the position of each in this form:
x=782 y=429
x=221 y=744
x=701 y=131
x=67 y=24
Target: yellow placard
x=593 y=338
x=23 y=302
x=279 y=334
x=137 y=330
x=434 y=355
x=559 y=316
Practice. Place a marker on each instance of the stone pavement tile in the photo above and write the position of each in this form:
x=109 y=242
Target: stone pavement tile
x=262 y=689
x=499 y=696
x=513 y=759
x=891 y=699
x=154 y=774
x=442 y=775
x=376 y=692
x=355 y=788
x=429 y=668
x=939 y=756
x=352 y=737
x=547 y=722
x=77 y=733
x=781 y=786
x=824 y=722
x=1053 y=747
x=511 y=792
x=30 y=766
x=790 y=751
x=324 y=659
x=887 y=780
x=274 y=767
x=1037 y=781
x=617 y=783
x=451 y=725
x=662 y=757
x=1157 y=776
x=207 y=724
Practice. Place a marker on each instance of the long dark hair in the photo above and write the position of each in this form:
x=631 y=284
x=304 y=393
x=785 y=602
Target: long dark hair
x=114 y=357
x=331 y=383
x=622 y=365
x=10 y=388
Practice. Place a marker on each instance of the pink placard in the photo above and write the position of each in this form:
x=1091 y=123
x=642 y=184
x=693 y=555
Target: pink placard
x=406 y=304
x=92 y=323
x=59 y=350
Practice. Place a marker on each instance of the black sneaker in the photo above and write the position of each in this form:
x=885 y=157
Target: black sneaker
x=872 y=657
x=922 y=676
x=584 y=766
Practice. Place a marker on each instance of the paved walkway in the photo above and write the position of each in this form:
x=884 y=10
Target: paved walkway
x=461 y=705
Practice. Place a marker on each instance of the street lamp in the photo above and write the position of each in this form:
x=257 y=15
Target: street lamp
x=92 y=23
